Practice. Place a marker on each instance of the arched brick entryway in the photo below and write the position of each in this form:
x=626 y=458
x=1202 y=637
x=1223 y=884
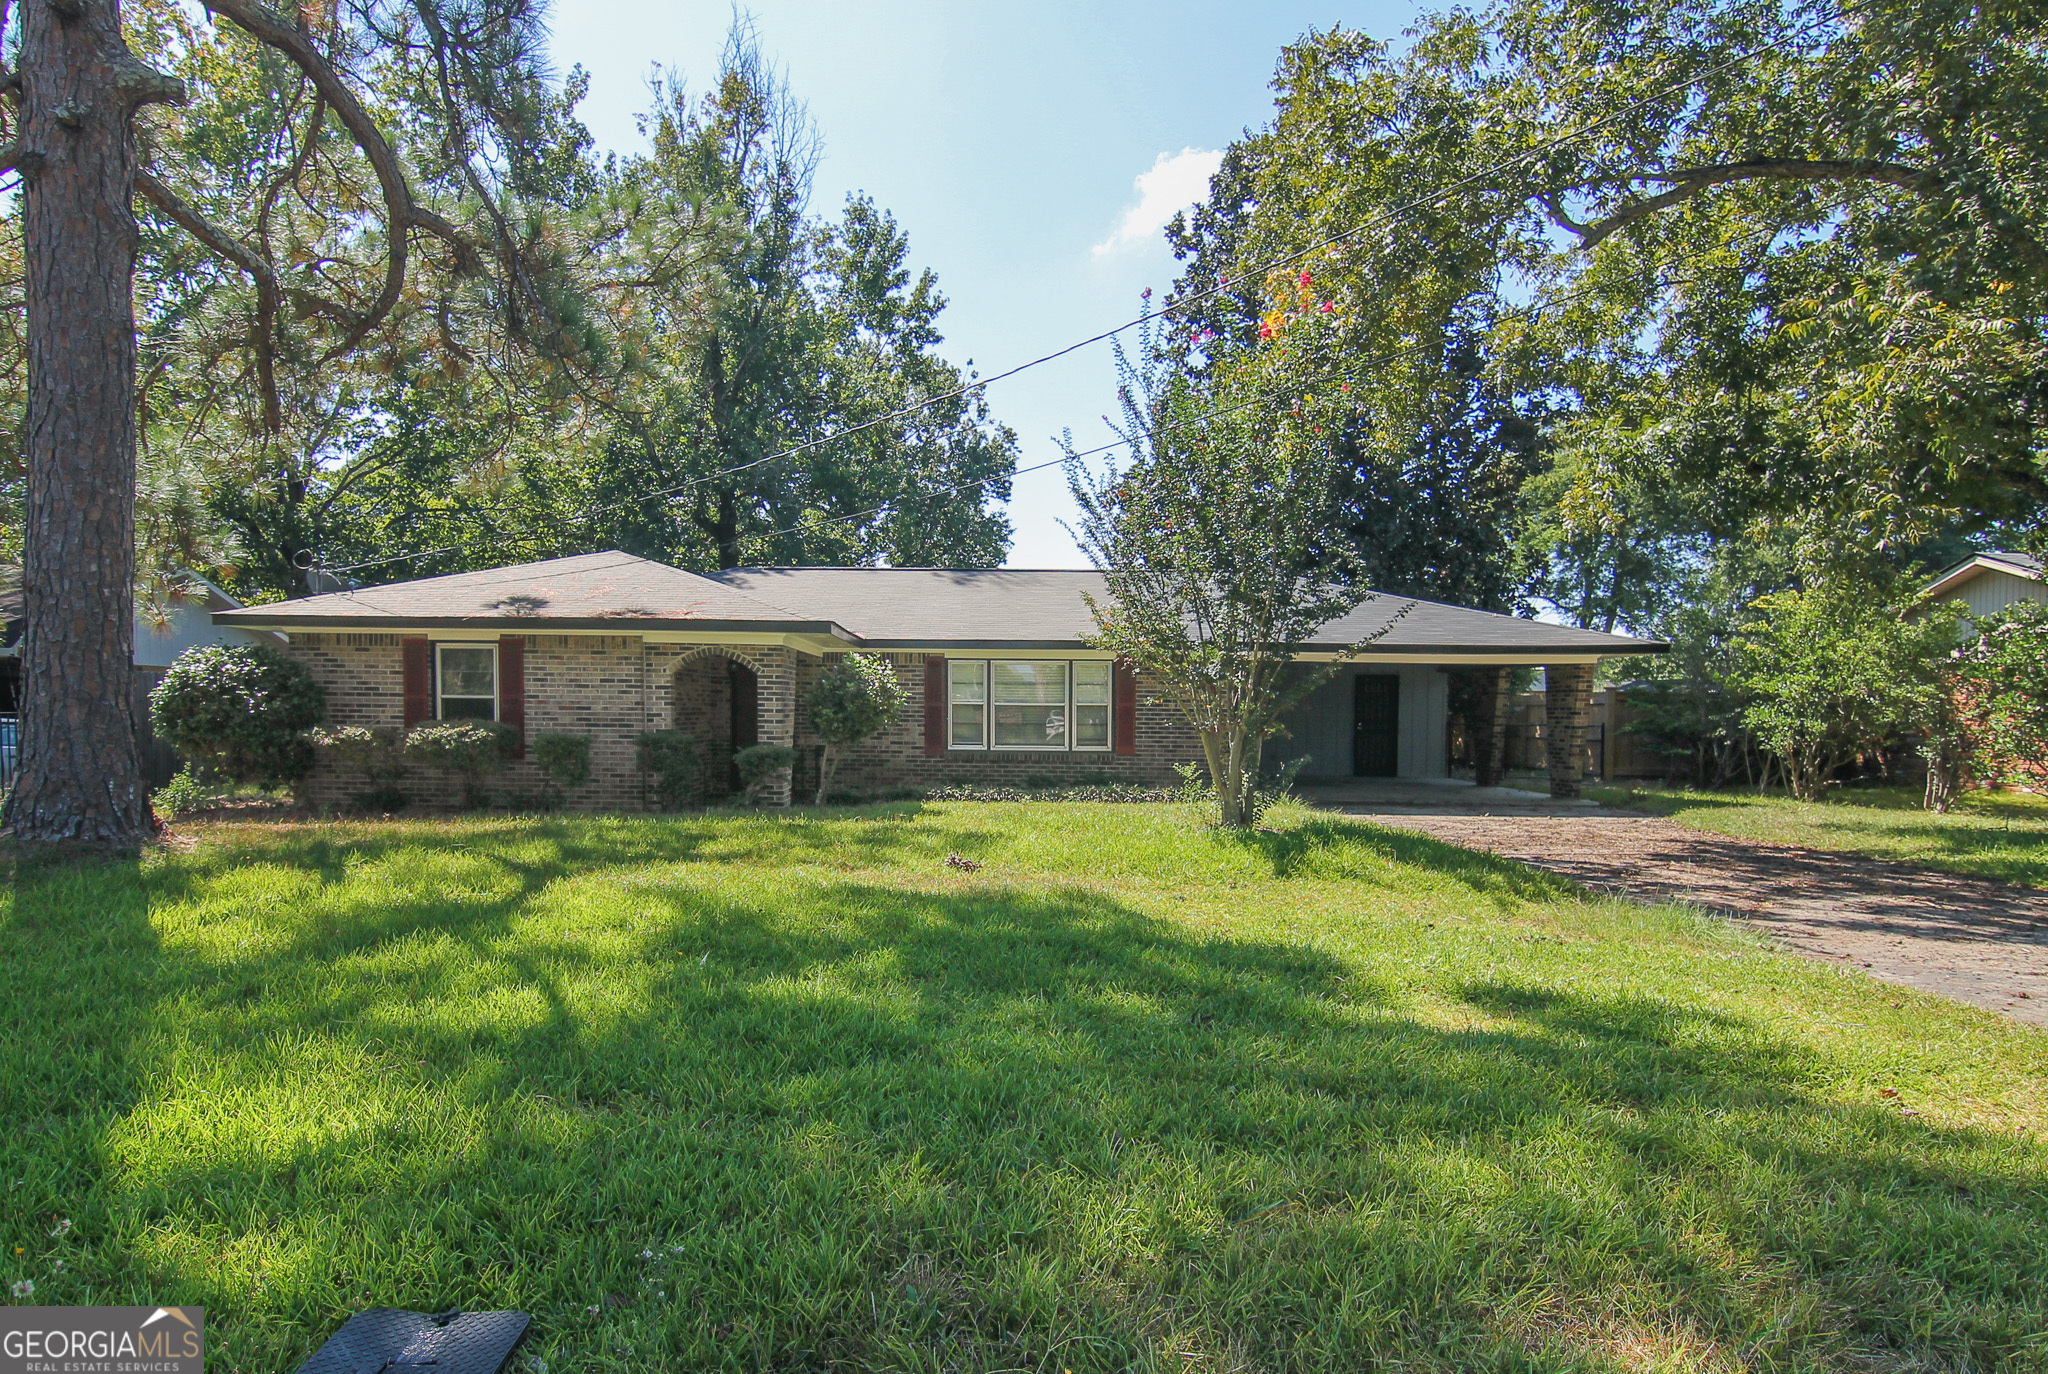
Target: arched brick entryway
x=717 y=700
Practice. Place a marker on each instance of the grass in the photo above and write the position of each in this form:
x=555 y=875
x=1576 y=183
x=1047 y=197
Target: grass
x=752 y=1092
x=2001 y=835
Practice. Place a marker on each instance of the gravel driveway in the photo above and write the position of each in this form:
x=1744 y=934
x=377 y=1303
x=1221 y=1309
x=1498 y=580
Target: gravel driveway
x=1978 y=941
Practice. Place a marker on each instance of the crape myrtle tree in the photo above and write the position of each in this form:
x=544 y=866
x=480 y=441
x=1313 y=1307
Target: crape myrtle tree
x=1221 y=545
x=411 y=123
x=854 y=697
x=1998 y=684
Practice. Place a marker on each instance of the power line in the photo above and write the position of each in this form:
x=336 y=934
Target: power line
x=1327 y=379
x=1382 y=219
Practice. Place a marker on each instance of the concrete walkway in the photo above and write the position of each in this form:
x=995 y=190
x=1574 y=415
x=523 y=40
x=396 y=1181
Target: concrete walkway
x=1978 y=941
x=1437 y=796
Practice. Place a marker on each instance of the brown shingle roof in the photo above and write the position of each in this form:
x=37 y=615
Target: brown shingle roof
x=910 y=608
x=906 y=607
x=589 y=591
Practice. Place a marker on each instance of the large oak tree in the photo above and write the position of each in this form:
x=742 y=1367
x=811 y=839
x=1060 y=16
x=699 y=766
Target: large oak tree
x=1790 y=254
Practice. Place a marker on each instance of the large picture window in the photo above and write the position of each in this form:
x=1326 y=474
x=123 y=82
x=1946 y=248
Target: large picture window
x=466 y=681
x=1039 y=704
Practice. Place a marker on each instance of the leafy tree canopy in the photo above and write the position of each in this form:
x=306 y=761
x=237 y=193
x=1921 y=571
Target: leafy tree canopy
x=1736 y=264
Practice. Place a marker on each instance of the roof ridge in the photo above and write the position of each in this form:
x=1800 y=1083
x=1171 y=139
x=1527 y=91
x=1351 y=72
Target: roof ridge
x=859 y=567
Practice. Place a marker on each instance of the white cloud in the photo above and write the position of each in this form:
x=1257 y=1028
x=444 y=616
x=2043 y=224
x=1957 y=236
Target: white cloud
x=1176 y=181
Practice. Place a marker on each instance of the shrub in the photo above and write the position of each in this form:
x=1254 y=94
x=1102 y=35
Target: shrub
x=855 y=696
x=671 y=757
x=467 y=748
x=375 y=750
x=182 y=796
x=564 y=759
x=371 y=748
x=240 y=710
x=757 y=763
x=2002 y=678
x=1833 y=671
x=384 y=798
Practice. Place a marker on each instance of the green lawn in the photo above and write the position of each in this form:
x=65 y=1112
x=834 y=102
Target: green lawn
x=2000 y=835
x=753 y=1091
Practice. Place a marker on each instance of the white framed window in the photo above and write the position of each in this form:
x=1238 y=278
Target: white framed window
x=466 y=681
x=1034 y=704
x=1091 y=706
x=1028 y=700
x=967 y=706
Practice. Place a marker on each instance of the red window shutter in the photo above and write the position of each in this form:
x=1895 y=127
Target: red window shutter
x=934 y=705
x=1124 y=707
x=512 y=688
x=418 y=656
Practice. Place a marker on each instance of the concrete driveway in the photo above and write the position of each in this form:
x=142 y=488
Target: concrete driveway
x=1978 y=941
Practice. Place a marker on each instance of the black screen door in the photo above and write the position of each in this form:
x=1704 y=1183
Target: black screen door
x=1376 y=725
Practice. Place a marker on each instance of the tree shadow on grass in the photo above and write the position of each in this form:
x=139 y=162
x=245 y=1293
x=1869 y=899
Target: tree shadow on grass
x=1332 y=848
x=80 y=969
x=851 y=1125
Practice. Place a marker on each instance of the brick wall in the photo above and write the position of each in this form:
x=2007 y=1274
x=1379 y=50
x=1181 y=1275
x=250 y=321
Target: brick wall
x=575 y=684
x=611 y=688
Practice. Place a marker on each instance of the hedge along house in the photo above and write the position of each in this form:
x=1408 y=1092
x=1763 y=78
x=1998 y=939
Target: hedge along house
x=1003 y=686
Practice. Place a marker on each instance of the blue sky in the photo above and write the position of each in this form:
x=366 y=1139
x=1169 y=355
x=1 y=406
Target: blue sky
x=1009 y=141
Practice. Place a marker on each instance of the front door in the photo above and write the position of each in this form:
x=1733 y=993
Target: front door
x=1376 y=725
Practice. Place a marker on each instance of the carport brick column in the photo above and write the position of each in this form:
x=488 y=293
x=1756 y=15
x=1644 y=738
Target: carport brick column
x=777 y=714
x=1567 y=706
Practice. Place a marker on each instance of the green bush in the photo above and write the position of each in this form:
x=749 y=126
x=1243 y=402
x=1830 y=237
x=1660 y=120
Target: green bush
x=671 y=757
x=384 y=799
x=1833 y=672
x=241 y=711
x=376 y=751
x=757 y=763
x=467 y=748
x=182 y=796
x=564 y=759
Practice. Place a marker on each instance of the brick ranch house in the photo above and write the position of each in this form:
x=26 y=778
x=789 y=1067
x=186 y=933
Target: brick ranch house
x=1002 y=687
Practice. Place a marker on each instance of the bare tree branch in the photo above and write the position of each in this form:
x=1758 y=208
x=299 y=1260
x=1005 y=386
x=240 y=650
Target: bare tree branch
x=401 y=215
x=186 y=217
x=1689 y=182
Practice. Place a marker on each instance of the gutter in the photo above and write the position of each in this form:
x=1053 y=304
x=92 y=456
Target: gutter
x=523 y=624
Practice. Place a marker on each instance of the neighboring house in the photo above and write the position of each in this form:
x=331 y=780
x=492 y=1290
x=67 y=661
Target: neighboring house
x=1988 y=583
x=1002 y=684
x=161 y=634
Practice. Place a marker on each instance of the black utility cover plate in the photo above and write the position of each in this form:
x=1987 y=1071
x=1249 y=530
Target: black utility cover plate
x=385 y=1338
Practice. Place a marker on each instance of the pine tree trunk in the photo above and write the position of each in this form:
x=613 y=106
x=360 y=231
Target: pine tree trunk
x=80 y=777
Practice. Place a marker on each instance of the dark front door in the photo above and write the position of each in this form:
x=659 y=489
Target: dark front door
x=746 y=706
x=744 y=696
x=1376 y=725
